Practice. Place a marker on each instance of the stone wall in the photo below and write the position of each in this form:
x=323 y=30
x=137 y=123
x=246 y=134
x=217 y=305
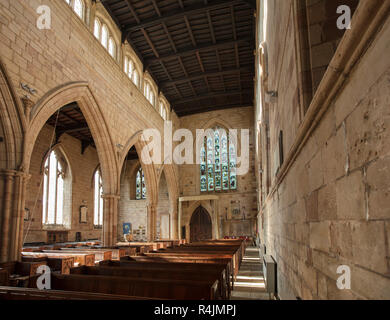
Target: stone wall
x=329 y=204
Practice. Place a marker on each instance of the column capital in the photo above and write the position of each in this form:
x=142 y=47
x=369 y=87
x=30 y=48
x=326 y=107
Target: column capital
x=14 y=173
x=111 y=196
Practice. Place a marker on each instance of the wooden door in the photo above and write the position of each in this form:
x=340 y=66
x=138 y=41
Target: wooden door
x=200 y=227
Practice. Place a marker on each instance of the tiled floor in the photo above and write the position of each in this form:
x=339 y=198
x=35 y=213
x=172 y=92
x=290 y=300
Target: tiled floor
x=250 y=281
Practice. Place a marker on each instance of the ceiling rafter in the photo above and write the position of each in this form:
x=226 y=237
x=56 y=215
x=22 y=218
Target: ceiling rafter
x=206 y=74
x=190 y=10
x=202 y=47
x=195 y=51
x=208 y=95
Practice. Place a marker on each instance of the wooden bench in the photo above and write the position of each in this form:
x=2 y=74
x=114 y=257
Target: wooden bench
x=152 y=264
x=56 y=263
x=151 y=288
x=100 y=254
x=12 y=293
x=81 y=259
x=167 y=273
x=20 y=274
x=117 y=252
x=4 y=277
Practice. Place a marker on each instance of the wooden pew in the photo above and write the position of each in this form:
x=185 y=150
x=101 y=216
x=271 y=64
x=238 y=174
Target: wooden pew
x=152 y=263
x=117 y=252
x=167 y=273
x=81 y=259
x=20 y=274
x=151 y=288
x=148 y=246
x=56 y=263
x=141 y=248
x=12 y=293
x=100 y=254
x=4 y=277
x=213 y=250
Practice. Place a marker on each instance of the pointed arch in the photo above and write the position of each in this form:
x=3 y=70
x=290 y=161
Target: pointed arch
x=12 y=124
x=151 y=177
x=80 y=93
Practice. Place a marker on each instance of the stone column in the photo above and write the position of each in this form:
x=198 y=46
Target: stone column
x=216 y=220
x=179 y=220
x=110 y=219
x=174 y=222
x=12 y=214
x=152 y=216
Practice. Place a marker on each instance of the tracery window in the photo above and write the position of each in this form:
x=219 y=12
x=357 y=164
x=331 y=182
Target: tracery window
x=112 y=48
x=98 y=200
x=163 y=110
x=218 y=162
x=102 y=33
x=140 y=186
x=77 y=6
x=131 y=71
x=53 y=191
x=148 y=92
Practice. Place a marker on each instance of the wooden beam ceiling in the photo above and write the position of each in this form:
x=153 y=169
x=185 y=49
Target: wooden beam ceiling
x=195 y=50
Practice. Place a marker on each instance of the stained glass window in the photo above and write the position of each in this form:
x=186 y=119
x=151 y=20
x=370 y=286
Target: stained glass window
x=218 y=163
x=140 y=186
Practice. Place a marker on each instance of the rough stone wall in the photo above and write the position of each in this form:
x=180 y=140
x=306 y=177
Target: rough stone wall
x=332 y=206
x=246 y=193
x=82 y=169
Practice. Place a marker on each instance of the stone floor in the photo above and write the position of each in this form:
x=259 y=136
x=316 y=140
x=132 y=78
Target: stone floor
x=250 y=281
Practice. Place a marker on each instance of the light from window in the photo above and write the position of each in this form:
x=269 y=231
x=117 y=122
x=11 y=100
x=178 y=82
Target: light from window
x=218 y=163
x=131 y=71
x=163 y=111
x=136 y=78
x=53 y=191
x=112 y=48
x=140 y=186
x=78 y=8
x=96 y=30
x=126 y=65
x=148 y=92
x=98 y=200
x=67 y=1
x=104 y=36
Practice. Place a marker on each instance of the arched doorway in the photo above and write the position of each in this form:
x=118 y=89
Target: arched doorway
x=200 y=226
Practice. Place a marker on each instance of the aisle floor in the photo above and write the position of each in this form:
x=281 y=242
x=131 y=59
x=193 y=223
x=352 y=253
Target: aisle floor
x=250 y=283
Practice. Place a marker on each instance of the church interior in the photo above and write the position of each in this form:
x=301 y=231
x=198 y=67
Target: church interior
x=195 y=149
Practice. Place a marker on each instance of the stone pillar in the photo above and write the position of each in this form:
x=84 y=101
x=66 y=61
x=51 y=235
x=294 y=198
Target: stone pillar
x=216 y=220
x=12 y=214
x=110 y=220
x=179 y=220
x=174 y=222
x=152 y=218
